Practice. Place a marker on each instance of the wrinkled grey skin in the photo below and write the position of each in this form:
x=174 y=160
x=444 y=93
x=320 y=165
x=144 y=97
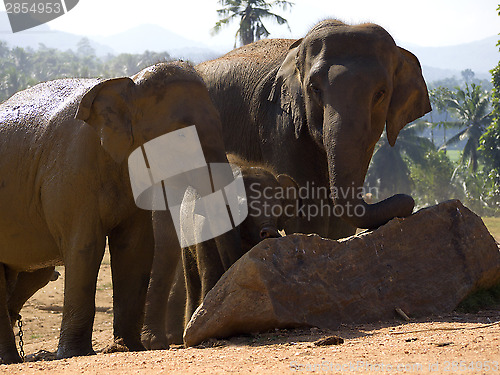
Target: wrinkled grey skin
x=64 y=187
x=179 y=284
x=314 y=108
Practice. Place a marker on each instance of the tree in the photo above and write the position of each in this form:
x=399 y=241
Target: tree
x=84 y=48
x=21 y=68
x=472 y=108
x=12 y=81
x=467 y=75
x=250 y=13
x=490 y=141
x=432 y=179
x=438 y=97
x=389 y=171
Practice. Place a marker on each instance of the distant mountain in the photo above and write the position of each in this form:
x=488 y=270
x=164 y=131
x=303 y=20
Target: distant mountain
x=432 y=74
x=43 y=34
x=480 y=56
x=194 y=55
x=135 y=40
x=156 y=38
x=437 y=62
x=148 y=37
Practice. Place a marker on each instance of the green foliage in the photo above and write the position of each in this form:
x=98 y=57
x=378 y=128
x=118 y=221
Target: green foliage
x=438 y=97
x=473 y=189
x=472 y=109
x=490 y=142
x=22 y=68
x=250 y=13
x=389 y=171
x=432 y=179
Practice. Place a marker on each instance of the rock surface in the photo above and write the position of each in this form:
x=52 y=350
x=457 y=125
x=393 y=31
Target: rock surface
x=424 y=264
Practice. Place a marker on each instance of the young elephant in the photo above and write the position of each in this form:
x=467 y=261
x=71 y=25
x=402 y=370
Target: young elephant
x=65 y=187
x=177 y=288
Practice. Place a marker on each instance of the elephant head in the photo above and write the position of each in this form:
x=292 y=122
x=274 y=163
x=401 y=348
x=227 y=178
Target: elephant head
x=340 y=85
x=127 y=112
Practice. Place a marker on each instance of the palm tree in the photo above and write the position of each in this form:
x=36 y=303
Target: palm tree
x=250 y=13
x=438 y=97
x=388 y=171
x=472 y=108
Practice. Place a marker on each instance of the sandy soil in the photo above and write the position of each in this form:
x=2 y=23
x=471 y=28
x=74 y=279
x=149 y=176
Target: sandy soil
x=419 y=346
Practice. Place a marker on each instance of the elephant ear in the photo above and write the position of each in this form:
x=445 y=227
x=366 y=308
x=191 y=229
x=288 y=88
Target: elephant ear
x=410 y=99
x=287 y=91
x=105 y=108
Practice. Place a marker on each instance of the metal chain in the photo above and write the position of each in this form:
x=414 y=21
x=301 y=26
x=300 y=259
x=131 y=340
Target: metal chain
x=21 y=334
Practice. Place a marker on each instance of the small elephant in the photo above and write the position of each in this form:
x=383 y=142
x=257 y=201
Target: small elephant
x=314 y=108
x=65 y=187
x=178 y=287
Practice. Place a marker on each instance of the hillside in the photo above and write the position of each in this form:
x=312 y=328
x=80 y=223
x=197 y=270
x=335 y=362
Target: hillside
x=437 y=62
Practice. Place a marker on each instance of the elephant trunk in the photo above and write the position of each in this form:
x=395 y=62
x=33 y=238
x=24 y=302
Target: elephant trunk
x=348 y=160
x=371 y=216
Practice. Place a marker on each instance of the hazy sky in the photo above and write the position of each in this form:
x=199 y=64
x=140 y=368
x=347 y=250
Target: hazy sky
x=421 y=22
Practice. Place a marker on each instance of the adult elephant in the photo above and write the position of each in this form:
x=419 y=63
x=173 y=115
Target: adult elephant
x=314 y=108
x=65 y=187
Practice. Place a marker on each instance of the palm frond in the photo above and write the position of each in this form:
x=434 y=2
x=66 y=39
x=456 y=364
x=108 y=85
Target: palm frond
x=282 y=4
x=221 y=23
x=251 y=13
x=453 y=124
x=453 y=140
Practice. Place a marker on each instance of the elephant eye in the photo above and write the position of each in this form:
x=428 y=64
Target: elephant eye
x=316 y=90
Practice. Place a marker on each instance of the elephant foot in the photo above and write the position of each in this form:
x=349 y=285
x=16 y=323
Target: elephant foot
x=152 y=341
x=14 y=317
x=175 y=337
x=64 y=352
x=120 y=345
x=10 y=358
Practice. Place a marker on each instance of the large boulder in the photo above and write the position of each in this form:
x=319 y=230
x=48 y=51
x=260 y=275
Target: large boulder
x=424 y=264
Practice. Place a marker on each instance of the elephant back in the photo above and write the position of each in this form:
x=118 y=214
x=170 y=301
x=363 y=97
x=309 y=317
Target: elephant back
x=44 y=101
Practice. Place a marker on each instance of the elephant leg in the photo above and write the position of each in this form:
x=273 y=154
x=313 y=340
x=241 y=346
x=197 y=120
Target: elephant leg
x=28 y=283
x=191 y=281
x=82 y=260
x=210 y=266
x=167 y=257
x=220 y=253
x=176 y=306
x=131 y=247
x=204 y=264
x=8 y=350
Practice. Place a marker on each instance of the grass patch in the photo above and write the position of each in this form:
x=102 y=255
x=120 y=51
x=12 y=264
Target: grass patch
x=482 y=299
x=493 y=225
x=454 y=155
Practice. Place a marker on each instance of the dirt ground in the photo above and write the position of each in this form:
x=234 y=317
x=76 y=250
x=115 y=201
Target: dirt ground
x=452 y=343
